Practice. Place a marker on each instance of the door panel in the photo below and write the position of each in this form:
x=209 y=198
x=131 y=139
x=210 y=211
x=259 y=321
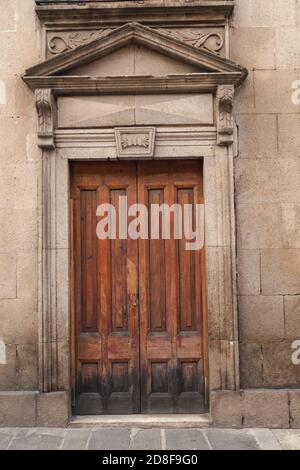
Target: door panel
x=106 y=288
x=170 y=283
x=138 y=323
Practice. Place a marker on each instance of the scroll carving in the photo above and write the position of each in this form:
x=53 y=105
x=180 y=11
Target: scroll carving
x=225 y=95
x=64 y=42
x=212 y=41
x=46 y=115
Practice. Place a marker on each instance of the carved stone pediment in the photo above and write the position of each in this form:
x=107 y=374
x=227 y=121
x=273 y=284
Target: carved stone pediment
x=98 y=68
x=210 y=67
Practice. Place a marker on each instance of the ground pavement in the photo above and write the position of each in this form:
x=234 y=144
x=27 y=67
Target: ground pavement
x=147 y=439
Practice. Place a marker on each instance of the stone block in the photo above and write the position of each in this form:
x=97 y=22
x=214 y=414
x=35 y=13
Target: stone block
x=33 y=152
x=26 y=185
x=63 y=351
x=267 y=13
x=38 y=439
x=257 y=135
x=52 y=409
x=261 y=317
x=174 y=109
x=211 y=254
x=289 y=439
x=266 y=439
x=288 y=133
x=278 y=368
x=221 y=439
x=215 y=365
x=268 y=181
x=226 y=409
x=8 y=377
x=294 y=403
x=292 y=316
x=18 y=321
x=17 y=409
x=62 y=208
x=8 y=21
x=244 y=96
x=273 y=91
x=210 y=198
x=110 y=439
x=5 y=439
x=280 y=271
x=185 y=439
x=265 y=408
x=96 y=112
x=251 y=365
x=264 y=226
x=76 y=439
x=146 y=439
x=160 y=64
x=219 y=293
x=13 y=150
x=19 y=233
x=8 y=278
x=7 y=173
x=26 y=377
x=27 y=284
x=253 y=47
x=287 y=47
x=62 y=294
x=248 y=272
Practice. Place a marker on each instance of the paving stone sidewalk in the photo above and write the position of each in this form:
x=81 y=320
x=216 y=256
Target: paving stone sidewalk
x=147 y=439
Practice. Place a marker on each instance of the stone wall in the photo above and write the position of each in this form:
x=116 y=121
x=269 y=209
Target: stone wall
x=265 y=38
x=19 y=167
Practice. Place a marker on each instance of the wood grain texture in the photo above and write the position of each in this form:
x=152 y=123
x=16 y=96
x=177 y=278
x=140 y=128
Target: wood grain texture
x=106 y=287
x=171 y=283
x=140 y=330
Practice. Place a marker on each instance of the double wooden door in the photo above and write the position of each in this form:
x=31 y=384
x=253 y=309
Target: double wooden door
x=138 y=322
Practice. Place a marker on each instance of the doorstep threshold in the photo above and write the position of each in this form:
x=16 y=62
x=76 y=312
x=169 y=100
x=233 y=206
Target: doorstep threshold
x=143 y=421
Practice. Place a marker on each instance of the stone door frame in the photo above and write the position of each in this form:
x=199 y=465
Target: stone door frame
x=58 y=147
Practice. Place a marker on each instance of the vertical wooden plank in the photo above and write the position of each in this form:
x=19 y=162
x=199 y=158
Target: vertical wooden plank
x=186 y=268
x=118 y=271
x=89 y=284
x=157 y=271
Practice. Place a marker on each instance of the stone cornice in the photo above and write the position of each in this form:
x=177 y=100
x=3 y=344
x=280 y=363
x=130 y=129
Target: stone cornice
x=120 y=12
x=190 y=83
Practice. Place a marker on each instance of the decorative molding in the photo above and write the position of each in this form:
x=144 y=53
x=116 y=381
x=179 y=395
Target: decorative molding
x=66 y=41
x=45 y=106
x=164 y=136
x=158 y=12
x=225 y=96
x=198 y=39
x=181 y=83
x=135 y=33
x=170 y=142
x=135 y=142
x=63 y=41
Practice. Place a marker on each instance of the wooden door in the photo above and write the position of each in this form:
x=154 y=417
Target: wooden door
x=106 y=344
x=138 y=315
x=171 y=297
